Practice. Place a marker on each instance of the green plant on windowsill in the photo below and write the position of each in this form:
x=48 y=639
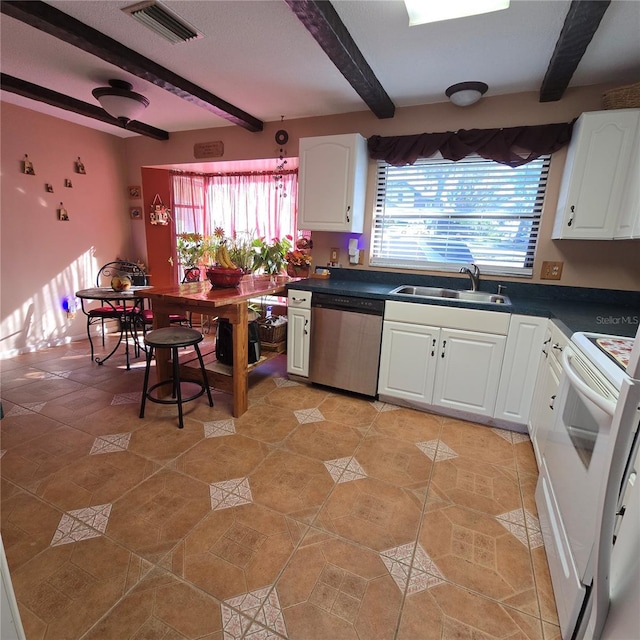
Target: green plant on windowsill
x=271 y=256
x=190 y=249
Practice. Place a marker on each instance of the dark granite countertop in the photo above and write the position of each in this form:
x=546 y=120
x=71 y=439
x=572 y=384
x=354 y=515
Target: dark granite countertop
x=577 y=308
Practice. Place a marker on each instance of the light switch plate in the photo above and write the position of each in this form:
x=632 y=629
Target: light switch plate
x=335 y=254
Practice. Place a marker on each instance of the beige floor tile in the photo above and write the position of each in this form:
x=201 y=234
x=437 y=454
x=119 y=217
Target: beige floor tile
x=324 y=440
x=335 y=589
x=408 y=424
x=19 y=376
x=77 y=404
x=478 y=442
x=31 y=462
x=291 y=484
x=298 y=396
x=222 y=457
x=236 y=550
x=70 y=587
x=161 y=607
x=156 y=514
x=349 y=410
x=266 y=423
x=96 y=479
x=41 y=390
x=525 y=458
x=551 y=631
x=21 y=425
x=395 y=461
x=371 y=513
x=28 y=525
x=477 y=485
x=447 y=612
x=478 y=552
x=162 y=441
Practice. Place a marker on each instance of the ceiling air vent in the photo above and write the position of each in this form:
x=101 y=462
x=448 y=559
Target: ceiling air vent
x=165 y=23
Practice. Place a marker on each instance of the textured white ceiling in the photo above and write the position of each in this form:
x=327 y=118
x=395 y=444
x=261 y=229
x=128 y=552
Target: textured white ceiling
x=259 y=57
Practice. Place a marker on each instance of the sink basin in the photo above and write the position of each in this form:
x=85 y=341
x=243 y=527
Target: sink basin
x=481 y=297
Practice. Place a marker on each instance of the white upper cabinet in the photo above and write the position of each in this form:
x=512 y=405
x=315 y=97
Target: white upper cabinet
x=629 y=220
x=332 y=183
x=596 y=175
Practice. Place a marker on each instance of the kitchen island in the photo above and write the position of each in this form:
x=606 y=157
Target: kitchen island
x=230 y=304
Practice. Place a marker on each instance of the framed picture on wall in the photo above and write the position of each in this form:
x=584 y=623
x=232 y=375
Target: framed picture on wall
x=135 y=193
x=135 y=213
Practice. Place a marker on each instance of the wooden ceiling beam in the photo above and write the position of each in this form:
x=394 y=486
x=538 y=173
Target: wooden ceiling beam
x=580 y=25
x=64 y=27
x=61 y=101
x=324 y=24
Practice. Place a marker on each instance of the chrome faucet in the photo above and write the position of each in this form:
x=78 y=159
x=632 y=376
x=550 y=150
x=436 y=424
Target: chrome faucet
x=474 y=273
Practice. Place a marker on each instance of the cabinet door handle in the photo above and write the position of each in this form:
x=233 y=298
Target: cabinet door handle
x=556 y=346
x=553 y=401
x=306 y=324
x=444 y=344
x=573 y=210
x=348 y=209
x=433 y=348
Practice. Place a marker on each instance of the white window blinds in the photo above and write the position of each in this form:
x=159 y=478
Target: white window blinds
x=437 y=214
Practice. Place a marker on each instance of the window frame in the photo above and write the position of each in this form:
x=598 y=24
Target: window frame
x=381 y=218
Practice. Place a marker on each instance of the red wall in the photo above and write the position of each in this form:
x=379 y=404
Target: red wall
x=159 y=237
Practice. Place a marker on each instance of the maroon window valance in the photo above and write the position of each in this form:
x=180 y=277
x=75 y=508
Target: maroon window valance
x=512 y=146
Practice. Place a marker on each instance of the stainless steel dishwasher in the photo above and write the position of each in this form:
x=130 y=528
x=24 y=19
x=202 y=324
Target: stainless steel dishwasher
x=346 y=333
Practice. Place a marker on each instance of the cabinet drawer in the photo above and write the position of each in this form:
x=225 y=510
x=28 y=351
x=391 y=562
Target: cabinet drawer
x=451 y=317
x=299 y=299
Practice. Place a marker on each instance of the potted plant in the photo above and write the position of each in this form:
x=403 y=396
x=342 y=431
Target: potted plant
x=271 y=256
x=190 y=248
x=298 y=263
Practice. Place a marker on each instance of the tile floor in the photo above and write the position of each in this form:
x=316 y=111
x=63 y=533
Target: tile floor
x=315 y=516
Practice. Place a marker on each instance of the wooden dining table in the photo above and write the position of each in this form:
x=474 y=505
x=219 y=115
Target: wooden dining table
x=228 y=303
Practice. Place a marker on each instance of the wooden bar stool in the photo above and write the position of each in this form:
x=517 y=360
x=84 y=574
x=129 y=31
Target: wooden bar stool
x=173 y=338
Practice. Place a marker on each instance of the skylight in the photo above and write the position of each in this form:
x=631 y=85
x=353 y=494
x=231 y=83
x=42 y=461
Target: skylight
x=421 y=12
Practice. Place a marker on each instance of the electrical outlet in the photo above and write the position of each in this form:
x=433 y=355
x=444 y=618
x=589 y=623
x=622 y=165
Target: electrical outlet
x=335 y=254
x=551 y=270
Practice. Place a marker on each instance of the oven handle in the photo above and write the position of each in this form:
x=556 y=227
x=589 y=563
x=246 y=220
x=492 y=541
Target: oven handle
x=606 y=405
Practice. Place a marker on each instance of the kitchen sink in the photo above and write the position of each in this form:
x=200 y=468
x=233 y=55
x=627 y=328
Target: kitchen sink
x=482 y=297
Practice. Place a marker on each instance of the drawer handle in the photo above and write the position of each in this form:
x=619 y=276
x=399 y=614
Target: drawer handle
x=557 y=346
x=573 y=210
x=553 y=401
x=294 y=299
x=433 y=348
x=444 y=344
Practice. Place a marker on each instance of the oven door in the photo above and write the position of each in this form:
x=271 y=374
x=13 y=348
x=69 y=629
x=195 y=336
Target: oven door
x=576 y=452
x=572 y=474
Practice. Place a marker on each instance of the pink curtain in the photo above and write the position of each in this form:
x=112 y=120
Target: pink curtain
x=263 y=204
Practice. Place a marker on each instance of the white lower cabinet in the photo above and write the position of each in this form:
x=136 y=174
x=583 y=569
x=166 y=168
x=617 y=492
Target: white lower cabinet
x=468 y=371
x=431 y=365
x=298 y=332
x=520 y=368
x=407 y=361
x=547 y=384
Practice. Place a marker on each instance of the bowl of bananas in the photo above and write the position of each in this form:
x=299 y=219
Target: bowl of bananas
x=224 y=277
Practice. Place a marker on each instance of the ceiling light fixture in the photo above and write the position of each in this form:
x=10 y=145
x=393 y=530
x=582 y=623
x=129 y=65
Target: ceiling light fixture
x=421 y=12
x=120 y=101
x=464 y=94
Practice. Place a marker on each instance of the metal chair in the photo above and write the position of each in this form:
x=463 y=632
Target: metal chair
x=108 y=311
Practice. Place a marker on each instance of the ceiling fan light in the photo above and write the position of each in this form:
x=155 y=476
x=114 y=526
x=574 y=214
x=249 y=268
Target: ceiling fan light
x=464 y=94
x=120 y=101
